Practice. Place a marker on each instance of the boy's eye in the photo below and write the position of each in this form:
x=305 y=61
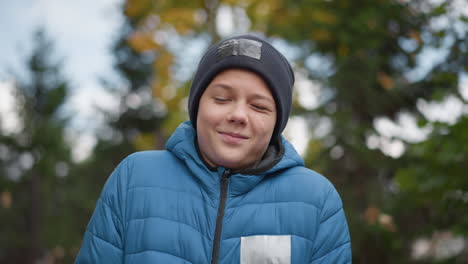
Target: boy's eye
x=261 y=107
x=221 y=99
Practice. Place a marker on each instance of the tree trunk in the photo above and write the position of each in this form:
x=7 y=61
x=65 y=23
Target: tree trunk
x=35 y=218
x=211 y=7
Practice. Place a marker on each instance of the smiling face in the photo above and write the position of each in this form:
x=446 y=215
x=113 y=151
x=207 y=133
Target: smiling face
x=235 y=120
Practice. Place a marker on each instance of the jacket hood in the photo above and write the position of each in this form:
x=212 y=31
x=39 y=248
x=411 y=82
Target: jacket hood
x=182 y=145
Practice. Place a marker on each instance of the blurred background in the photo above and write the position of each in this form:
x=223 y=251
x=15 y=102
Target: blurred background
x=380 y=109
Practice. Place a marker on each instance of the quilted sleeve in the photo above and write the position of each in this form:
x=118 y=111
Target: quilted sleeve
x=332 y=243
x=103 y=238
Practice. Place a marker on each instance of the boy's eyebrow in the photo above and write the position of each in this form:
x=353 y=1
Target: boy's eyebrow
x=222 y=85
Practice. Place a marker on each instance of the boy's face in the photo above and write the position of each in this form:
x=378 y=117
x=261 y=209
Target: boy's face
x=235 y=120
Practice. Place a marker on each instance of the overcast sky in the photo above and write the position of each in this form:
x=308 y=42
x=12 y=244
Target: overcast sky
x=83 y=32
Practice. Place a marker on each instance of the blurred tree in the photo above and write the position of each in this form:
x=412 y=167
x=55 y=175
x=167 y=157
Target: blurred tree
x=34 y=220
x=135 y=126
x=434 y=187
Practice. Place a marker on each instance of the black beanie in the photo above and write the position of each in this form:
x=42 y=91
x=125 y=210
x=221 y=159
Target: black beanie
x=250 y=53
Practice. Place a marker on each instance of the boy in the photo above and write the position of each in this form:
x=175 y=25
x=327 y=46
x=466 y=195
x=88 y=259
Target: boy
x=229 y=188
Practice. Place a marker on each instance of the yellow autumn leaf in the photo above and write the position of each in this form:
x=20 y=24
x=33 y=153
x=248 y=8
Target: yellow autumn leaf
x=163 y=78
x=385 y=81
x=320 y=34
x=323 y=16
x=144 y=141
x=231 y=2
x=265 y=8
x=174 y=119
x=142 y=41
x=416 y=36
x=183 y=19
x=135 y=8
x=6 y=199
x=371 y=215
x=343 y=50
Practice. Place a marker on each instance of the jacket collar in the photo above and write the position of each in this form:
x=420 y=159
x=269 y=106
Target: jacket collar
x=277 y=158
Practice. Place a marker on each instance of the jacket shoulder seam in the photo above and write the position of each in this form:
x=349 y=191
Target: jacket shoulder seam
x=280 y=202
x=331 y=215
x=110 y=209
x=154 y=250
x=102 y=239
x=171 y=220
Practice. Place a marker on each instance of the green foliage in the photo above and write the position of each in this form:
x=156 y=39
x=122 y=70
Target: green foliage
x=36 y=217
x=435 y=177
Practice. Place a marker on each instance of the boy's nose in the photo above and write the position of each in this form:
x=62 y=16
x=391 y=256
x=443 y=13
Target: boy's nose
x=238 y=114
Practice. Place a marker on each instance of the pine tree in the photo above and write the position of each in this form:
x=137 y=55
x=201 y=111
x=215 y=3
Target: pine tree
x=37 y=161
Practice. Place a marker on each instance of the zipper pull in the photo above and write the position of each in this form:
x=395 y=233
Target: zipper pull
x=226 y=174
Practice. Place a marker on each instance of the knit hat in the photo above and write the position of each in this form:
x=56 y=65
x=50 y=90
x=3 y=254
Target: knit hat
x=254 y=54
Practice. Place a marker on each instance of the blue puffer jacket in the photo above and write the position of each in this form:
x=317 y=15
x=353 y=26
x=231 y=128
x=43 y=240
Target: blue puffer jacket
x=168 y=207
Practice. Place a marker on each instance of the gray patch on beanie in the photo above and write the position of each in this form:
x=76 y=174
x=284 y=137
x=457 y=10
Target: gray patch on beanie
x=240 y=47
x=250 y=53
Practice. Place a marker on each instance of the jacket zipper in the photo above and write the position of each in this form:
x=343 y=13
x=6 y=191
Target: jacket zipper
x=220 y=216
